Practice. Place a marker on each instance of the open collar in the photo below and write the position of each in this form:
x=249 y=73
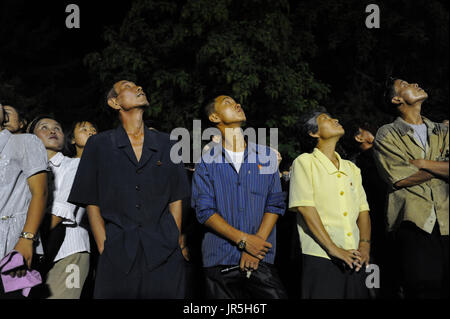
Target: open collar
x=57 y=159
x=404 y=128
x=328 y=164
x=150 y=146
x=150 y=140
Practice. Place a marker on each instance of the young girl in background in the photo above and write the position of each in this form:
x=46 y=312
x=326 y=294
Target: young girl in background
x=78 y=136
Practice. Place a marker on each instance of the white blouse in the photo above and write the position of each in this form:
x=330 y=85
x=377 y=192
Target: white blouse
x=77 y=238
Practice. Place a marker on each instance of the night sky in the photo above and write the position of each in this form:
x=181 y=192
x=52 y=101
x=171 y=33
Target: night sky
x=38 y=49
x=40 y=56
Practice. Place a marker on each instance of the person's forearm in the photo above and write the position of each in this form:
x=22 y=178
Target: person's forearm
x=36 y=212
x=416 y=179
x=36 y=209
x=55 y=221
x=97 y=226
x=316 y=227
x=364 y=226
x=219 y=225
x=437 y=168
x=176 y=209
x=267 y=224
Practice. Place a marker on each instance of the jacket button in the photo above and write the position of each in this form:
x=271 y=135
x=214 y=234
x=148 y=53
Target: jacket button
x=138 y=206
x=138 y=188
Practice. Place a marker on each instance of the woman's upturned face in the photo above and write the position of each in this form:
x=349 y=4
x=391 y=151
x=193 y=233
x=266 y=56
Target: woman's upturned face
x=51 y=134
x=82 y=132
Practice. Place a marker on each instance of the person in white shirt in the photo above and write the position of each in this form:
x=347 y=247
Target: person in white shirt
x=68 y=273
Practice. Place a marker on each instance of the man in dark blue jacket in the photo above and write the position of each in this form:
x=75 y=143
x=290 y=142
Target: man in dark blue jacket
x=133 y=194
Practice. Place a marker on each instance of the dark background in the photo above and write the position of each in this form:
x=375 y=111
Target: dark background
x=278 y=58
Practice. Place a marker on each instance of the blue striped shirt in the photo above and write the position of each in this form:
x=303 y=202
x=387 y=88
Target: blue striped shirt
x=239 y=198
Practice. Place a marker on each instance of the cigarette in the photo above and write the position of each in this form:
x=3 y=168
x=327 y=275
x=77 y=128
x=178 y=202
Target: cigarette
x=229 y=269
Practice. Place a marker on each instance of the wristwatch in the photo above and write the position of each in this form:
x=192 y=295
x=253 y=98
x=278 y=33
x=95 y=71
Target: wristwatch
x=241 y=245
x=28 y=235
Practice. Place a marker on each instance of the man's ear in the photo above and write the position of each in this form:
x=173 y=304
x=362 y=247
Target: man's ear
x=112 y=102
x=359 y=139
x=397 y=100
x=315 y=135
x=214 y=118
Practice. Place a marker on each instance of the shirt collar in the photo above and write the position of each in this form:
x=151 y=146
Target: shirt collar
x=331 y=169
x=4 y=138
x=218 y=150
x=404 y=128
x=150 y=140
x=57 y=159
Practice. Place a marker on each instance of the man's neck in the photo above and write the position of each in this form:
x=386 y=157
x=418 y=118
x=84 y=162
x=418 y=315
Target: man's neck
x=411 y=113
x=132 y=121
x=232 y=138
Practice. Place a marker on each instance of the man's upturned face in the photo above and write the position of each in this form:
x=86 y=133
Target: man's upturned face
x=329 y=127
x=129 y=95
x=410 y=93
x=228 y=111
x=50 y=133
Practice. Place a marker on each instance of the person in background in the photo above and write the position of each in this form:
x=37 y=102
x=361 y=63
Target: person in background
x=23 y=189
x=238 y=198
x=333 y=220
x=17 y=123
x=74 y=248
x=288 y=257
x=359 y=142
x=78 y=136
x=412 y=158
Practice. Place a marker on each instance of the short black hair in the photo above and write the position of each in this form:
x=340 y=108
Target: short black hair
x=210 y=107
x=308 y=124
x=112 y=94
x=389 y=91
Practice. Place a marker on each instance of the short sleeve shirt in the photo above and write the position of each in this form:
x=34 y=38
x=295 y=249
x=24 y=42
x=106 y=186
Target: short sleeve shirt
x=133 y=196
x=21 y=156
x=424 y=204
x=337 y=195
